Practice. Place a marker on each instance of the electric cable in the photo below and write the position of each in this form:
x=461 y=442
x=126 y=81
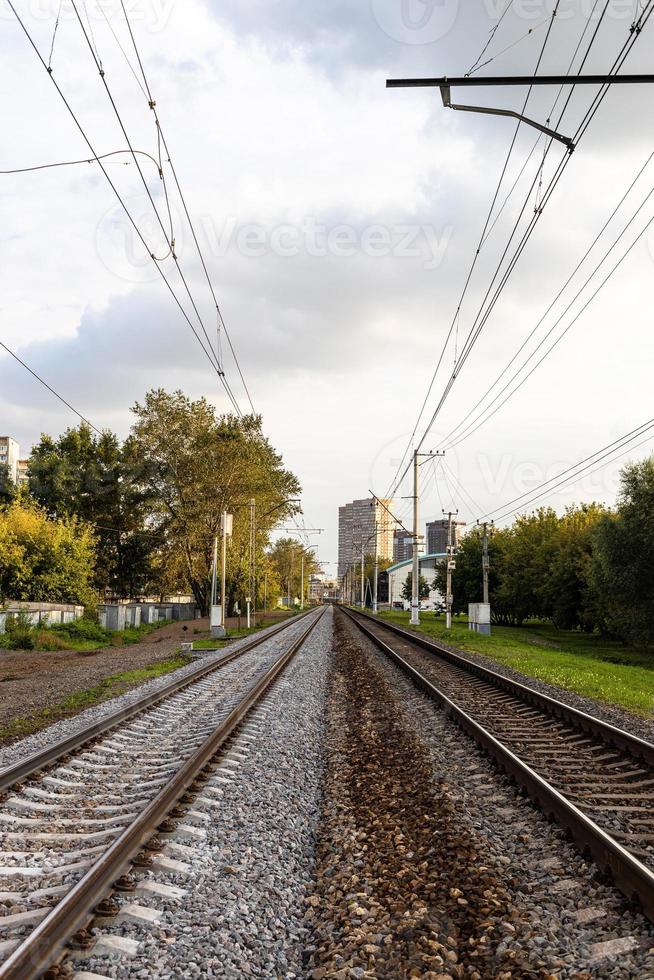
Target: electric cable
x=52 y=390
x=152 y=105
x=115 y=190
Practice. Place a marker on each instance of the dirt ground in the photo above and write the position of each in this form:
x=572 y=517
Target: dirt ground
x=31 y=680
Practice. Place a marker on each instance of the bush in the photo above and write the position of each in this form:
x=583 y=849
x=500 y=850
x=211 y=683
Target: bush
x=83 y=629
x=20 y=634
x=49 y=641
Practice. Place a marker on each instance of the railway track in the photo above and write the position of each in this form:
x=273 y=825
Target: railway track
x=76 y=816
x=594 y=779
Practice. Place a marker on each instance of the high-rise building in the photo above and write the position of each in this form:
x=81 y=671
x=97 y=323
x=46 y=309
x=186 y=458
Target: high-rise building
x=402 y=545
x=359 y=524
x=437 y=536
x=9 y=453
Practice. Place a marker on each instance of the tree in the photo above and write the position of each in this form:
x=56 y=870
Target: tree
x=94 y=478
x=622 y=569
x=192 y=465
x=467 y=577
x=286 y=560
x=7 y=486
x=570 y=598
x=43 y=559
x=423 y=587
x=369 y=574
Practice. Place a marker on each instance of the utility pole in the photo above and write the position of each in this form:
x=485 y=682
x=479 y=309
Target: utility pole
x=214 y=572
x=415 y=579
x=248 y=598
x=226 y=525
x=450 y=565
x=415 y=575
x=485 y=561
x=302 y=585
x=363 y=595
x=375 y=576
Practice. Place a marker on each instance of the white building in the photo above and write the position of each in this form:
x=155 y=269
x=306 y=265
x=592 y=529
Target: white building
x=9 y=456
x=397 y=577
x=364 y=526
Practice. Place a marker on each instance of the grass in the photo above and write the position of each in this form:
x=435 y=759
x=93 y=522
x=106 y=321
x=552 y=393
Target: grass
x=215 y=643
x=587 y=664
x=82 y=636
x=109 y=687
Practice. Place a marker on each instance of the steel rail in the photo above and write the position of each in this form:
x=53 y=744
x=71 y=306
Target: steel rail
x=637 y=747
x=632 y=877
x=45 y=942
x=51 y=753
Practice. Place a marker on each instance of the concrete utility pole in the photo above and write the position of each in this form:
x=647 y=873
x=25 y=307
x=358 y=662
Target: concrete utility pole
x=415 y=574
x=415 y=580
x=248 y=598
x=375 y=576
x=449 y=568
x=363 y=594
x=485 y=561
x=226 y=525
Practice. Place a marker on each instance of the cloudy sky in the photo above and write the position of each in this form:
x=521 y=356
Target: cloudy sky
x=338 y=220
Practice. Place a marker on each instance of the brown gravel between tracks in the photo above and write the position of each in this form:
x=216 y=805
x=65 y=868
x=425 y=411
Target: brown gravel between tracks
x=401 y=888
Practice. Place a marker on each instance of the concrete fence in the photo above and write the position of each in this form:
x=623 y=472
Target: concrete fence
x=40 y=613
x=120 y=615
x=113 y=616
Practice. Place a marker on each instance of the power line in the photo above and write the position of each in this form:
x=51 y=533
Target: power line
x=50 y=388
x=72 y=163
x=482 y=319
x=574 y=471
x=170 y=237
x=452 y=439
x=152 y=106
x=395 y=482
x=116 y=192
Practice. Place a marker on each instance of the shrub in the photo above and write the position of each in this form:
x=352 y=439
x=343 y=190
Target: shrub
x=49 y=641
x=83 y=629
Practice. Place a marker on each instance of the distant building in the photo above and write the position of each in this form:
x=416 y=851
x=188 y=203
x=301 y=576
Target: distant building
x=359 y=524
x=397 y=576
x=437 y=536
x=9 y=453
x=402 y=545
x=22 y=471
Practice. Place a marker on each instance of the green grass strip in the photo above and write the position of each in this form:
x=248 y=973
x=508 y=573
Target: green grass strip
x=587 y=664
x=109 y=687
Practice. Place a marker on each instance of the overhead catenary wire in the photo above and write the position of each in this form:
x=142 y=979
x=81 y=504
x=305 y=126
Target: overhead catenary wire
x=152 y=106
x=49 y=387
x=482 y=318
x=454 y=437
x=116 y=192
x=395 y=481
x=168 y=235
x=584 y=467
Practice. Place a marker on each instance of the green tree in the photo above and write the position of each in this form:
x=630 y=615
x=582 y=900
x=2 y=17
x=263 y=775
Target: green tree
x=622 y=569
x=423 y=587
x=467 y=577
x=7 y=486
x=43 y=559
x=192 y=466
x=569 y=595
x=94 y=478
x=286 y=560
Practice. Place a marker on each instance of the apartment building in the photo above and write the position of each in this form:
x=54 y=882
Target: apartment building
x=9 y=456
x=362 y=524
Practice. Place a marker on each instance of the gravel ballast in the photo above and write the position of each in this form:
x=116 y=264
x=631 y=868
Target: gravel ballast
x=243 y=912
x=635 y=724
x=546 y=911
x=69 y=726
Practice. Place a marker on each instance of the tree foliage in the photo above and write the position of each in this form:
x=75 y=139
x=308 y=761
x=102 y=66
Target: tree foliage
x=423 y=587
x=285 y=558
x=97 y=480
x=44 y=559
x=622 y=566
x=192 y=466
